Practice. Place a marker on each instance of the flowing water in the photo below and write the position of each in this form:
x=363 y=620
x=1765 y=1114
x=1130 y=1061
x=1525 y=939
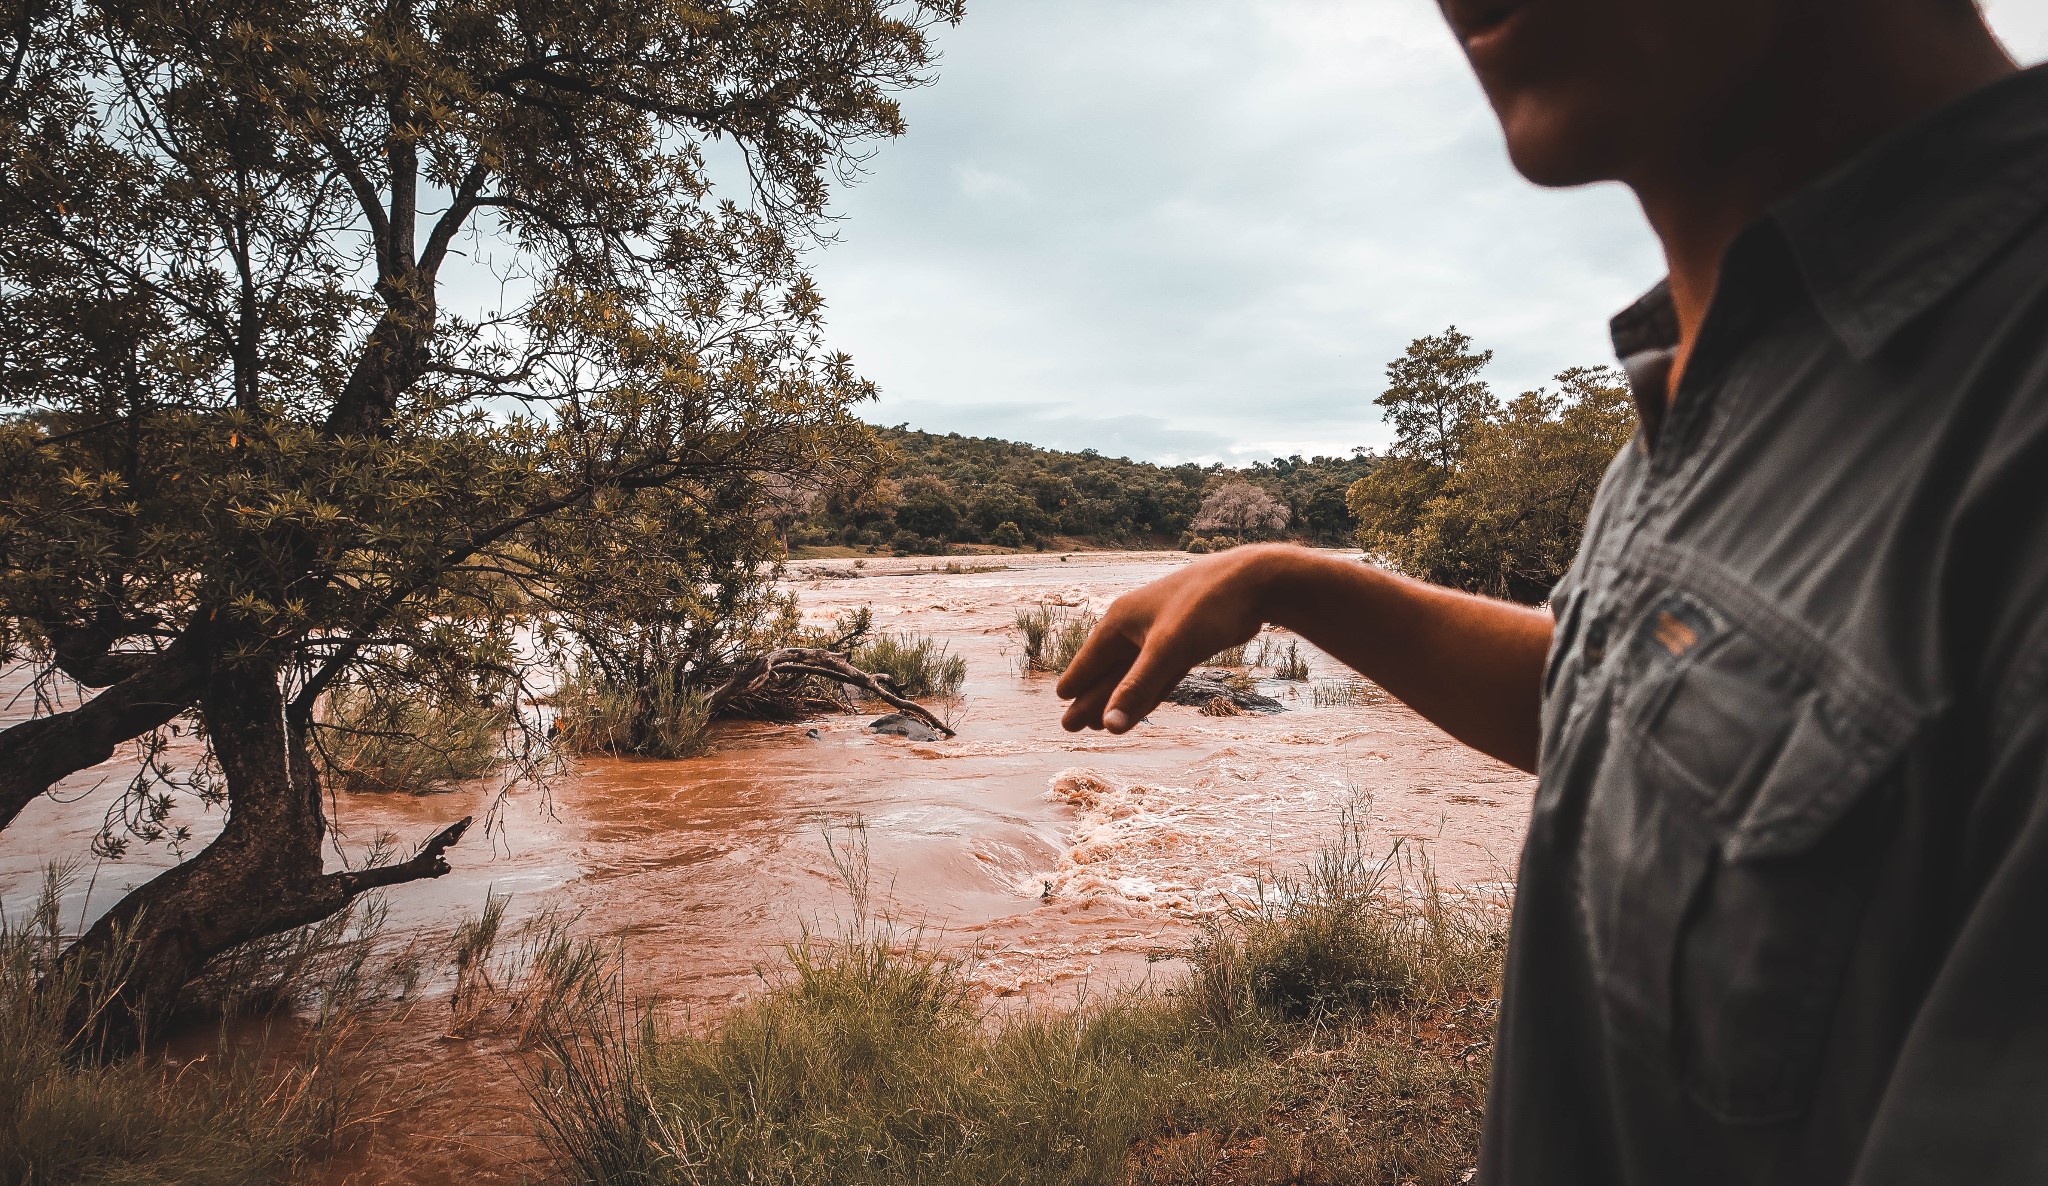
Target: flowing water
x=1058 y=860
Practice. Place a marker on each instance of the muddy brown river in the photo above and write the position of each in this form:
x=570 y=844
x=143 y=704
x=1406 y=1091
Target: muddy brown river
x=1057 y=860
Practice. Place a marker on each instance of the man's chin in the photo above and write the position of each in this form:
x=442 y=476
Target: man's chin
x=1553 y=146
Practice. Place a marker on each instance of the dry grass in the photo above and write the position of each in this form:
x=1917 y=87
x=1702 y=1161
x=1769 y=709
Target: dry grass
x=1228 y=657
x=1332 y=1032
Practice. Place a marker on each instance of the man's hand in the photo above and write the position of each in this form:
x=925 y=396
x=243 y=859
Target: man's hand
x=1472 y=665
x=1153 y=636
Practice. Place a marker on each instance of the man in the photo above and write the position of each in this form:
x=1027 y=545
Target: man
x=1779 y=915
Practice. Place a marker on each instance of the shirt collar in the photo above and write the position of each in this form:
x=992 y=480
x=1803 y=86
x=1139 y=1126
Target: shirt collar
x=1891 y=233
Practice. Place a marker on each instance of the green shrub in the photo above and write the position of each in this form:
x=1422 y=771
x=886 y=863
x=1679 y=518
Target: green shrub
x=1007 y=535
x=665 y=719
x=1052 y=635
x=373 y=737
x=918 y=666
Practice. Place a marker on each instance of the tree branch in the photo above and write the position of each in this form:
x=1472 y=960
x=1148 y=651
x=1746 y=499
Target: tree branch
x=431 y=861
x=37 y=752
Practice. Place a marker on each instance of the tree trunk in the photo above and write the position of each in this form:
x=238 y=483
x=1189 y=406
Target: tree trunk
x=260 y=876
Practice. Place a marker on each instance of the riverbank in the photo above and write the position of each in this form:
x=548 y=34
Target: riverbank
x=1058 y=865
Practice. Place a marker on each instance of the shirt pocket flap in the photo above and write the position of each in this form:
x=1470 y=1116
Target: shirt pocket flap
x=1773 y=735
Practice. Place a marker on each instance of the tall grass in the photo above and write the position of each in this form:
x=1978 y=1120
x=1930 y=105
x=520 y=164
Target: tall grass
x=221 y=1114
x=1228 y=657
x=918 y=666
x=1287 y=662
x=1052 y=635
x=665 y=719
x=1296 y=1051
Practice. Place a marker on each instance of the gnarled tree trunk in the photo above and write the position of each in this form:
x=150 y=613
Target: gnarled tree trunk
x=260 y=876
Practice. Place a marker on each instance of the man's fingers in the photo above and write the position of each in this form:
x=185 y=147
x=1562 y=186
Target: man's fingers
x=1139 y=693
x=1101 y=660
x=1086 y=710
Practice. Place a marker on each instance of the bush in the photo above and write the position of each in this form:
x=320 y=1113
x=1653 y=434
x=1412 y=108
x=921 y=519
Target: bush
x=910 y=543
x=666 y=719
x=918 y=667
x=374 y=737
x=1052 y=635
x=1007 y=535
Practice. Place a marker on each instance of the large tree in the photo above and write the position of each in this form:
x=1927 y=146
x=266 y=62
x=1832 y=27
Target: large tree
x=253 y=442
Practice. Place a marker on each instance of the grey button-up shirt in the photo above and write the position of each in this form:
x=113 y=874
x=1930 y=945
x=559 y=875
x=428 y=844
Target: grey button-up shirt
x=1783 y=908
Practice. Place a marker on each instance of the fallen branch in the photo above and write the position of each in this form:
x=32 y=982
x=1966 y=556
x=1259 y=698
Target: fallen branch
x=813 y=661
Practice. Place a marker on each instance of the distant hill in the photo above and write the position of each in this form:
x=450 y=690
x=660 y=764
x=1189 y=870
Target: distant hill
x=953 y=489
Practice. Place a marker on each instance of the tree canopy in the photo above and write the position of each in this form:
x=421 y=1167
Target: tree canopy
x=1481 y=494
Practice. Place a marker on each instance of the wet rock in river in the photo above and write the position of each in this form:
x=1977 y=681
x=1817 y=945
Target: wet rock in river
x=898 y=725
x=1204 y=689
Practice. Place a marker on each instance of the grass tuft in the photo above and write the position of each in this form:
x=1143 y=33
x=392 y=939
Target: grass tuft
x=667 y=719
x=225 y=1112
x=1052 y=635
x=918 y=667
x=1228 y=657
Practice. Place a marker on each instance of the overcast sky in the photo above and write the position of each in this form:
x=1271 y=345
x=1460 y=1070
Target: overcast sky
x=1198 y=229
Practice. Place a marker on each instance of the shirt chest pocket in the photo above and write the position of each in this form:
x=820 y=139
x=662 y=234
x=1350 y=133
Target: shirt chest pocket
x=1729 y=841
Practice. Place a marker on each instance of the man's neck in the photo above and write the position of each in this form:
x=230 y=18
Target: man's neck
x=1800 y=117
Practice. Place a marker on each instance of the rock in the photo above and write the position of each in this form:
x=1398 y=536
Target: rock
x=813 y=734
x=1202 y=689
x=898 y=725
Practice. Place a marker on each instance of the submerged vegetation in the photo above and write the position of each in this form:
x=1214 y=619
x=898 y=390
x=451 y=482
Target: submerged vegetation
x=1334 y=1032
x=1051 y=635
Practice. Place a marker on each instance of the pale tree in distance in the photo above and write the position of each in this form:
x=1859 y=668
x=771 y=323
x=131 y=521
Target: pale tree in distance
x=1237 y=506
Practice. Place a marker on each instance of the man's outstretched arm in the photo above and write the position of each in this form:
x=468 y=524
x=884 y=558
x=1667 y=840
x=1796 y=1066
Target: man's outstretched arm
x=1472 y=665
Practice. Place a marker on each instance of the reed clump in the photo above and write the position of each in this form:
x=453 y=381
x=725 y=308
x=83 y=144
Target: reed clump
x=666 y=718
x=918 y=666
x=1228 y=657
x=1335 y=1031
x=1052 y=635
x=1286 y=662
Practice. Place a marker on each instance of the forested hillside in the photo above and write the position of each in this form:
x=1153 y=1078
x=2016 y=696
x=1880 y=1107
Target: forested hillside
x=951 y=489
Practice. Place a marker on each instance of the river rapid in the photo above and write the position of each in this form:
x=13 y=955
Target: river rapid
x=1058 y=861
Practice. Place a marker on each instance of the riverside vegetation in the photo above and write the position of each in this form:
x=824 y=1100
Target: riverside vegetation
x=1335 y=1030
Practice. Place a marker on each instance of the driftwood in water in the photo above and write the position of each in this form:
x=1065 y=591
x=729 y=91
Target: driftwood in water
x=1215 y=691
x=757 y=672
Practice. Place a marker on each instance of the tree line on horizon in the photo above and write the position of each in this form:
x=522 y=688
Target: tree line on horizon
x=1475 y=492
